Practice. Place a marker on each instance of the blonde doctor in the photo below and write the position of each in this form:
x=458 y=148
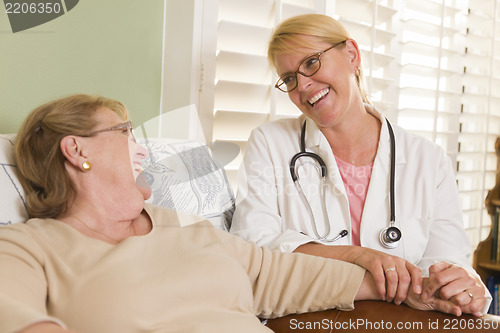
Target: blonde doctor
x=321 y=183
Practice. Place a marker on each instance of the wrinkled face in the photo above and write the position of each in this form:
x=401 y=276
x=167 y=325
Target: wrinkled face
x=117 y=157
x=327 y=95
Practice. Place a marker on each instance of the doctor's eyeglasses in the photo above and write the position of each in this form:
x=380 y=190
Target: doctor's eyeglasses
x=308 y=67
x=125 y=127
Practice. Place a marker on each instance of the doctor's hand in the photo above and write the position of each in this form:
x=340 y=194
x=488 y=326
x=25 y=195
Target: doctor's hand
x=392 y=275
x=432 y=302
x=456 y=284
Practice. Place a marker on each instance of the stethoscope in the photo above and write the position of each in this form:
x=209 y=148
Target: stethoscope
x=389 y=236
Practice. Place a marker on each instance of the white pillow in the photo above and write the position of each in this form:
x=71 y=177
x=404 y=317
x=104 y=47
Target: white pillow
x=12 y=206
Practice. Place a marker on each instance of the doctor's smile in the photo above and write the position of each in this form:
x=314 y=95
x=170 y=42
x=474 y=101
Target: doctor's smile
x=318 y=96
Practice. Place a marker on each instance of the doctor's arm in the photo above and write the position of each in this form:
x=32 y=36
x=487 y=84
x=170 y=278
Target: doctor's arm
x=391 y=285
x=448 y=250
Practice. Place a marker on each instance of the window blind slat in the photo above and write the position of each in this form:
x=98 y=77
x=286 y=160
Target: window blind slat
x=230 y=95
x=243 y=67
x=230 y=38
x=256 y=13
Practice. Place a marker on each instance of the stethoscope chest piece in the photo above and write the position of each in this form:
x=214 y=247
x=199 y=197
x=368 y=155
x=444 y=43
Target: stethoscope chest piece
x=390 y=237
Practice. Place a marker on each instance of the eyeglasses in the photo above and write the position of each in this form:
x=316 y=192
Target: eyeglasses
x=126 y=126
x=307 y=67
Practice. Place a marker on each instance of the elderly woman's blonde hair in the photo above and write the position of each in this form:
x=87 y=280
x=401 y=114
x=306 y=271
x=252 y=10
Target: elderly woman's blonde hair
x=40 y=162
x=287 y=39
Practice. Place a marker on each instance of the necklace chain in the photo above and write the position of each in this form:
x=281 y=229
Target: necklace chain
x=94 y=230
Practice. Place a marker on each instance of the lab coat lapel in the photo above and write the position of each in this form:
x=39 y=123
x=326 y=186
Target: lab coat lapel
x=376 y=212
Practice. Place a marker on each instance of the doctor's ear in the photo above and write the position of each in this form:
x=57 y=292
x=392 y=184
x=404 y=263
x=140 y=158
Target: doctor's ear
x=352 y=49
x=73 y=149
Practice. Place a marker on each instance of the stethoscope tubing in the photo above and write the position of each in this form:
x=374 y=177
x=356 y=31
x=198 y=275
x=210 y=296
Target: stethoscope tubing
x=386 y=242
x=393 y=174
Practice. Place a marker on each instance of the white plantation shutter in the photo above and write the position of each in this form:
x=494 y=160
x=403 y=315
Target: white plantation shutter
x=244 y=95
x=372 y=25
x=431 y=66
x=479 y=117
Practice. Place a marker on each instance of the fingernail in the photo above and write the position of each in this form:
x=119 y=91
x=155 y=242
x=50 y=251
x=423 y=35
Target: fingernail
x=419 y=290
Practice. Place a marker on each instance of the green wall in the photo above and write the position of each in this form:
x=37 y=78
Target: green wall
x=111 y=47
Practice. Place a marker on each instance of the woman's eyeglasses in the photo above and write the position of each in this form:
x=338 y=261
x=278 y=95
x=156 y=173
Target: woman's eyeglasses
x=126 y=126
x=308 y=67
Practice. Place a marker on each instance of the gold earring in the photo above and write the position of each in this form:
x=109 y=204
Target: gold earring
x=86 y=166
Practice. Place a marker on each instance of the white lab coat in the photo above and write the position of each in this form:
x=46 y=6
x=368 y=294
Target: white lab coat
x=270 y=212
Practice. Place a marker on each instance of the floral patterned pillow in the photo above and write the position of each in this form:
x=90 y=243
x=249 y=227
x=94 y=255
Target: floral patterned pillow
x=184 y=176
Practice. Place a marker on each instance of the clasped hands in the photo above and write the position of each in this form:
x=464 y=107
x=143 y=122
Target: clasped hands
x=449 y=288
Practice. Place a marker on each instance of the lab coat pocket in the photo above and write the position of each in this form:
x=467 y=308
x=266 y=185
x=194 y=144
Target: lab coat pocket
x=415 y=236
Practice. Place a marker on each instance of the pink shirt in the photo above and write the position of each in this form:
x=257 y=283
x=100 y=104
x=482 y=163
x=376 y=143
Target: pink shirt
x=356 y=181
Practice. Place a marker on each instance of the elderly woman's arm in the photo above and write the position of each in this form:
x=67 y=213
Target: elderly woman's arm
x=23 y=286
x=285 y=283
x=45 y=327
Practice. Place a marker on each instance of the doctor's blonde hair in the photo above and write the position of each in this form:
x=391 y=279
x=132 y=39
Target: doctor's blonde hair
x=287 y=39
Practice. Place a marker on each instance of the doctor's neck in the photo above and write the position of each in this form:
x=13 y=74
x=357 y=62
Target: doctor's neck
x=355 y=141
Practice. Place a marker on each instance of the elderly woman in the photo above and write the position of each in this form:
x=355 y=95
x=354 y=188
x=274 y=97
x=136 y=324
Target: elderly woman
x=95 y=258
x=341 y=182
